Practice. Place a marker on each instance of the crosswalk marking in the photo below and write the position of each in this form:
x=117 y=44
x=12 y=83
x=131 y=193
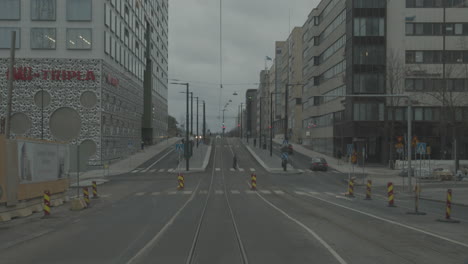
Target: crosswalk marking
x=252 y=169
x=232 y=169
x=250 y=192
x=204 y=192
x=140 y=194
x=135 y=171
x=329 y=193
x=170 y=170
x=161 y=170
x=219 y=192
x=301 y=170
x=265 y=191
x=155 y=193
x=299 y=193
x=309 y=170
x=172 y=193
x=278 y=192
x=235 y=192
x=187 y=192
x=314 y=193
x=218 y=169
x=152 y=171
x=241 y=169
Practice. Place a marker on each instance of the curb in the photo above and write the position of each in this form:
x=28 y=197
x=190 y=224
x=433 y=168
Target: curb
x=270 y=170
x=203 y=168
x=442 y=202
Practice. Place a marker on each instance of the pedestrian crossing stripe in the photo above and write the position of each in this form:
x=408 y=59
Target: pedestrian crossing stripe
x=161 y=170
x=135 y=171
x=241 y=169
x=250 y=192
x=235 y=192
x=300 y=193
x=301 y=171
x=172 y=193
x=314 y=193
x=187 y=192
x=218 y=169
x=204 y=192
x=152 y=171
x=232 y=169
x=252 y=169
x=329 y=193
x=170 y=170
x=278 y=192
x=140 y=194
x=219 y=192
x=155 y=193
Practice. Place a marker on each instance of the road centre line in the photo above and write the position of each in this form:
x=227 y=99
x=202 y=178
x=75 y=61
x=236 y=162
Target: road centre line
x=310 y=231
x=393 y=222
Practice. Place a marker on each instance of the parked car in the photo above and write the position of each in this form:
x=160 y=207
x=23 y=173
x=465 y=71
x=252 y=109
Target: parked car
x=319 y=164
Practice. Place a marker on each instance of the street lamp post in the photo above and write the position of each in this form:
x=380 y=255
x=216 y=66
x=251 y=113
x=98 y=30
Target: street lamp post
x=271 y=122
x=191 y=114
x=241 y=121
x=224 y=110
x=260 y=122
x=204 y=123
x=197 y=120
x=186 y=150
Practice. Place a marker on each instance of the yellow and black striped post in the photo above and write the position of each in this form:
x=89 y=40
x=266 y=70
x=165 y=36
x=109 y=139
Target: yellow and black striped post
x=369 y=190
x=448 y=209
x=181 y=181
x=95 y=194
x=391 y=195
x=86 y=196
x=350 y=188
x=253 y=178
x=46 y=203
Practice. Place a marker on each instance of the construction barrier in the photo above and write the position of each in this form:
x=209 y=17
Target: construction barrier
x=350 y=188
x=181 y=182
x=391 y=195
x=46 y=203
x=417 y=193
x=95 y=194
x=448 y=209
x=369 y=190
x=86 y=196
x=254 y=181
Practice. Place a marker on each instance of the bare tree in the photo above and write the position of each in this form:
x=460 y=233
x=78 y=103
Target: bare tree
x=395 y=73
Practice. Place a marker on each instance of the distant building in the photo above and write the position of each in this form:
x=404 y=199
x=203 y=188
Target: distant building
x=250 y=113
x=92 y=73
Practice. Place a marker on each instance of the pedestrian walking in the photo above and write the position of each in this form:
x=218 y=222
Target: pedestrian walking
x=142 y=145
x=339 y=156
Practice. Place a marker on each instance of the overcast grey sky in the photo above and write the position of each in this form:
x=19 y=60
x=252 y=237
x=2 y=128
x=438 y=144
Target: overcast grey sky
x=250 y=29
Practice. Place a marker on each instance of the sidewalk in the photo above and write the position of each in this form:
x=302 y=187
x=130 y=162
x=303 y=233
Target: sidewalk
x=129 y=163
x=271 y=164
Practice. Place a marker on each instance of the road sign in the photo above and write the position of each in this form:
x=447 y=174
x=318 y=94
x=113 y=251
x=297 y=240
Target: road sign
x=284 y=155
x=130 y=144
x=349 y=149
x=421 y=148
x=285 y=142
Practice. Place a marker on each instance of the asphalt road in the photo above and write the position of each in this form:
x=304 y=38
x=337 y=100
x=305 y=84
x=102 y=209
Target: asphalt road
x=303 y=218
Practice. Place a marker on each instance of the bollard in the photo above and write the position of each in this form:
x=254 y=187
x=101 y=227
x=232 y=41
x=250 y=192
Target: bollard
x=254 y=181
x=417 y=193
x=86 y=196
x=448 y=209
x=350 y=188
x=95 y=195
x=181 y=181
x=391 y=196
x=369 y=190
x=46 y=203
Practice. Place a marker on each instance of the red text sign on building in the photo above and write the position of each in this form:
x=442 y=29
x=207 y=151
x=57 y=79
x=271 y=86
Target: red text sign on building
x=112 y=80
x=27 y=74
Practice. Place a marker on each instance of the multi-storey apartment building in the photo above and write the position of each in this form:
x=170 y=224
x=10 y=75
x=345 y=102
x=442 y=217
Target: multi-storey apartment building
x=91 y=73
x=378 y=47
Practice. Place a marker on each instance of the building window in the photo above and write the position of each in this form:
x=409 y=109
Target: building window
x=426 y=56
x=5 y=37
x=43 y=38
x=369 y=26
x=370 y=3
x=372 y=83
x=79 y=10
x=10 y=10
x=79 y=38
x=107 y=42
x=436 y=3
x=369 y=54
x=368 y=111
x=43 y=10
x=107 y=15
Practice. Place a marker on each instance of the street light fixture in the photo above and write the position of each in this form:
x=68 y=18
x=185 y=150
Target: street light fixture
x=271 y=122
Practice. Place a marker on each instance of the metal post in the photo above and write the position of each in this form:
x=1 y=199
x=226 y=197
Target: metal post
x=42 y=113
x=197 y=121
x=186 y=148
x=260 y=124
x=204 y=122
x=10 y=84
x=271 y=124
x=224 y=110
x=241 y=117
x=191 y=118
x=409 y=142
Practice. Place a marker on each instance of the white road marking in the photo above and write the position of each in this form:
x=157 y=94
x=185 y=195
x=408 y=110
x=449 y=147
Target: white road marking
x=140 y=194
x=310 y=231
x=299 y=193
x=235 y=192
x=204 y=192
x=314 y=193
x=172 y=193
x=218 y=169
x=155 y=193
x=170 y=170
x=329 y=193
x=219 y=192
x=301 y=171
x=161 y=170
x=265 y=191
x=149 y=167
x=309 y=170
x=241 y=169
x=343 y=197
x=135 y=171
x=278 y=192
x=105 y=195
x=250 y=192
x=152 y=171
x=232 y=169
x=393 y=222
x=187 y=192
x=252 y=169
